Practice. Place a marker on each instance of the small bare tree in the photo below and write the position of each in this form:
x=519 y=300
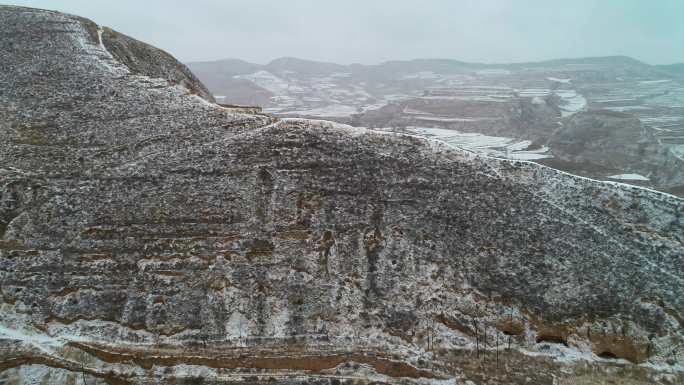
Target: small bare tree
x=83 y=375
x=497 y=350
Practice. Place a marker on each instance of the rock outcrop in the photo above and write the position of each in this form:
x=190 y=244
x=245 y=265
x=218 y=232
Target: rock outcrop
x=148 y=236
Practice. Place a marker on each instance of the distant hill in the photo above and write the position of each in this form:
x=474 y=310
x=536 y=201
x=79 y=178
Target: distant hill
x=677 y=68
x=220 y=75
x=303 y=66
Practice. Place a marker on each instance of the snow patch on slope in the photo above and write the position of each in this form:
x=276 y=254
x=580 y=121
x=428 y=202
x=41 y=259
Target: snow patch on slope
x=497 y=146
x=266 y=80
x=571 y=103
x=629 y=177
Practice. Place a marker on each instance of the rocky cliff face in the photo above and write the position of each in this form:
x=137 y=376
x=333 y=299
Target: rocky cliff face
x=148 y=236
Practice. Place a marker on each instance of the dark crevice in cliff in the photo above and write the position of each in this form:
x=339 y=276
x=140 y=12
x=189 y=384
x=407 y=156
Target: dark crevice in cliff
x=551 y=339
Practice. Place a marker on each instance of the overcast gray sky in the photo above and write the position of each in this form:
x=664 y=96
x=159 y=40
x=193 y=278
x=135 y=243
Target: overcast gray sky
x=372 y=31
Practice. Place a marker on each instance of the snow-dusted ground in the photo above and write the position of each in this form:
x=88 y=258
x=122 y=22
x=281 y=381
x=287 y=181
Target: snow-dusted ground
x=421 y=75
x=558 y=80
x=678 y=151
x=443 y=119
x=534 y=92
x=332 y=110
x=466 y=98
x=493 y=72
x=629 y=177
x=659 y=105
x=572 y=102
x=489 y=145
x=267 y=80
x=655 y=81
